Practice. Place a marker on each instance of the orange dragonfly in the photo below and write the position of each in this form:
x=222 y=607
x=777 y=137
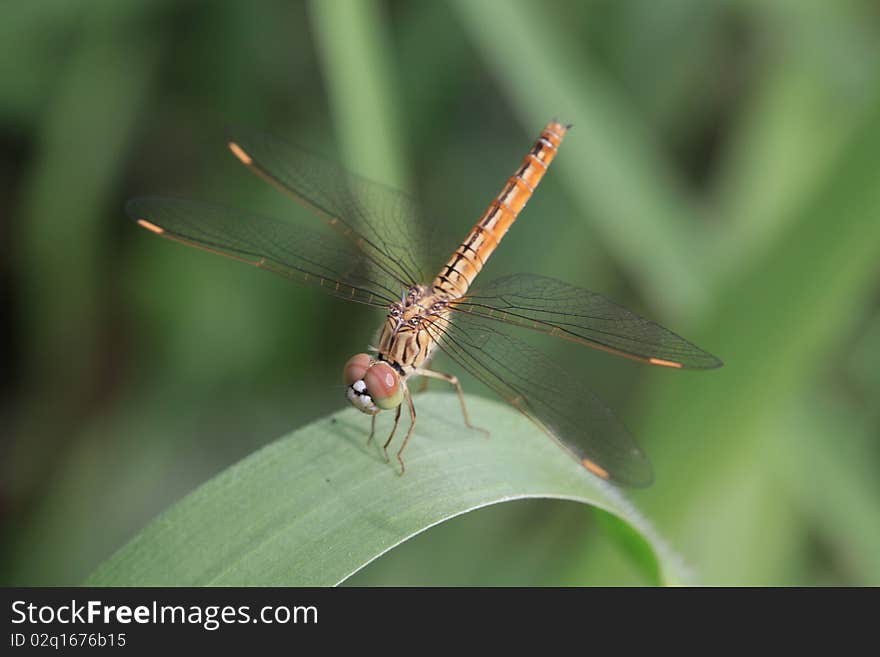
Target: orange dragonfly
x=378 y=257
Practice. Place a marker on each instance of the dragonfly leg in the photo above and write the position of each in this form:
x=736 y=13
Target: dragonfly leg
x=452 y=380
x=372 y=428
x=423 y=385
x=412 y=425
x=393 y=429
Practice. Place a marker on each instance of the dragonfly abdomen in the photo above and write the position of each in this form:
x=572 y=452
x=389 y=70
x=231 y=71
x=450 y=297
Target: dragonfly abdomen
x=471 y=256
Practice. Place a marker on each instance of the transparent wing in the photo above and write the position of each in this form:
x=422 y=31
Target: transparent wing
x=556 y=400
x=556 y=308
x=387 y=225
x=307 y=257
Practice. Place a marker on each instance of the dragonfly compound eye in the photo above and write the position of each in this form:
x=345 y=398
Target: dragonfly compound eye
x=356 y=368
x=383 y=386
x=353 y=374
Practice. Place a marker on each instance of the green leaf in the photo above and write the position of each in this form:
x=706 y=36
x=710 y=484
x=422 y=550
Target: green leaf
x=318 y=505
x=631 y=543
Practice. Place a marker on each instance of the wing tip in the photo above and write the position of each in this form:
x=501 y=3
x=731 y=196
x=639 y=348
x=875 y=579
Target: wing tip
x=706 y=362
x=710 y=362
x=597 y=470
x=641 y=480
x=133 y=209
x=644 y=480
x=153 y=228
x=665 y=363
x=240 y=153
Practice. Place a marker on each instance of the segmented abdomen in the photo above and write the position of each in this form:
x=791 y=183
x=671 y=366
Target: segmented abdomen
x=469 y=258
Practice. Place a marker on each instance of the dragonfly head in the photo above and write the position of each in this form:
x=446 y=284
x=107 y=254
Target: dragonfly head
x=373 y=385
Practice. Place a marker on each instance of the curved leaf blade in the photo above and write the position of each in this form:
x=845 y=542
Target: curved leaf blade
x=316 y=506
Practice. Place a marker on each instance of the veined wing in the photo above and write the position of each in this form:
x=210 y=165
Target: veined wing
x=283 y=248
x=550 y=306
x=384 y=223
x=556 y=400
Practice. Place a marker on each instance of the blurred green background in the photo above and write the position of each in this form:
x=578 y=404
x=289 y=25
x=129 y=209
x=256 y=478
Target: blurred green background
x=722 y=177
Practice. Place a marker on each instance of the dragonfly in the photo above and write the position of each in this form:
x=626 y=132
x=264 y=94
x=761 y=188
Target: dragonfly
x=374 y=249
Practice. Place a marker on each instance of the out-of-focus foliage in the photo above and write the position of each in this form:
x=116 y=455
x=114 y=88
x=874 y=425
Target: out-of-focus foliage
x=721 y=177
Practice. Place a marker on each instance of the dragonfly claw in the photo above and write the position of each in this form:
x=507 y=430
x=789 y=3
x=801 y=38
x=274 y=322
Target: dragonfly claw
x=486 y=433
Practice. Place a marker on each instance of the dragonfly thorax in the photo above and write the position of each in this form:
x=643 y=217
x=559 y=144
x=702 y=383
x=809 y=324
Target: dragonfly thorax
x=416 y=304
x=412 y=328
